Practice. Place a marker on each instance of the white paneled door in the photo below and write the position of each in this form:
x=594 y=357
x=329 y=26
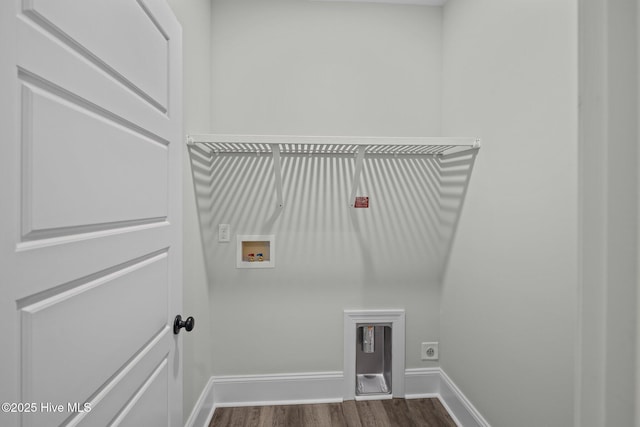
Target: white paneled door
x=90 y=213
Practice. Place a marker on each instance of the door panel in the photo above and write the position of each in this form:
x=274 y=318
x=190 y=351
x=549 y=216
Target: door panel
x=61 y=328
x=56 y=62
x=83 y=191
x=126 y=385
x=90 y=225
x=120 y=36
x=145 y=408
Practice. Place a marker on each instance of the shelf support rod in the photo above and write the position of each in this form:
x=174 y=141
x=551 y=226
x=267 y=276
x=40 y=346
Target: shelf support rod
x=277 y=172
x=356 y=174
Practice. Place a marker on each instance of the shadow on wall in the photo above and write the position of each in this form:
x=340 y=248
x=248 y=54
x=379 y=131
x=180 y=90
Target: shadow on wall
x=406 y=233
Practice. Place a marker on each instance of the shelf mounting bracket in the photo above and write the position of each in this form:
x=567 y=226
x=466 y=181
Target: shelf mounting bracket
x=277 y=172
x=356 y=174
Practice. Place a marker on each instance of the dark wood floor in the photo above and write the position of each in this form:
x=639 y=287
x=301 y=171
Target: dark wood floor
x=364 y=413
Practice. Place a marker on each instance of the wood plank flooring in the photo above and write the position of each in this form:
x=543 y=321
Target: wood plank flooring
x=364 y=413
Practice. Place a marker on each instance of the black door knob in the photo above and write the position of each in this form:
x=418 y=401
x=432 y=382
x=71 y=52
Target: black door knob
x=179 y=323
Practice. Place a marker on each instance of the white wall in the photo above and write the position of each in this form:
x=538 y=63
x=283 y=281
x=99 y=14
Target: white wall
x=195 y=18
x=299 y=67
x=621 y=170
x=637 y=401
x=609 y=213
x=327 y=68
x=510 y=298
x=508 y=321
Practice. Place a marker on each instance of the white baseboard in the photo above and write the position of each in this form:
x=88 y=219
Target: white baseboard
x=458 y=404
x=321 y=387
x=324 y=387
x=421 y=383
x=203 y=410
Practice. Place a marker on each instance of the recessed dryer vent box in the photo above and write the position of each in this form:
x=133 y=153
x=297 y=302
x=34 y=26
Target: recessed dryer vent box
x=256 y=251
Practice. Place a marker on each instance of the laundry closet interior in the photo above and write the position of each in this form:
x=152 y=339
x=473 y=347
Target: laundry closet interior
x=381 y=171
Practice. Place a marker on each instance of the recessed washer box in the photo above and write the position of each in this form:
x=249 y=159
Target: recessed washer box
x=256 y=251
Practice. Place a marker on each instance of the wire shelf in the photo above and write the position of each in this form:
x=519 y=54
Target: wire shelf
x=334 y=145
x=359 y=147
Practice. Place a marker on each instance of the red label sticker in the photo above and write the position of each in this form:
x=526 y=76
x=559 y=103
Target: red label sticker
x=361 y=202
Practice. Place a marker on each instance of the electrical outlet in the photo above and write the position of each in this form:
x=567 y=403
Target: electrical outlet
x=224 y=232
x=429 y=351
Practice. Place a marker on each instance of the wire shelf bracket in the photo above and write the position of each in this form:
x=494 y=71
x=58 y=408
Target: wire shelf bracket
x=356 y=174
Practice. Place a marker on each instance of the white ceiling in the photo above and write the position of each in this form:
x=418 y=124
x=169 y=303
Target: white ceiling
x=419 y=2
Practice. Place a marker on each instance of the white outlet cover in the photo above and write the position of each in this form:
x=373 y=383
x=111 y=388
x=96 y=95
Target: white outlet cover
x=429 y=351
x=224 y=232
